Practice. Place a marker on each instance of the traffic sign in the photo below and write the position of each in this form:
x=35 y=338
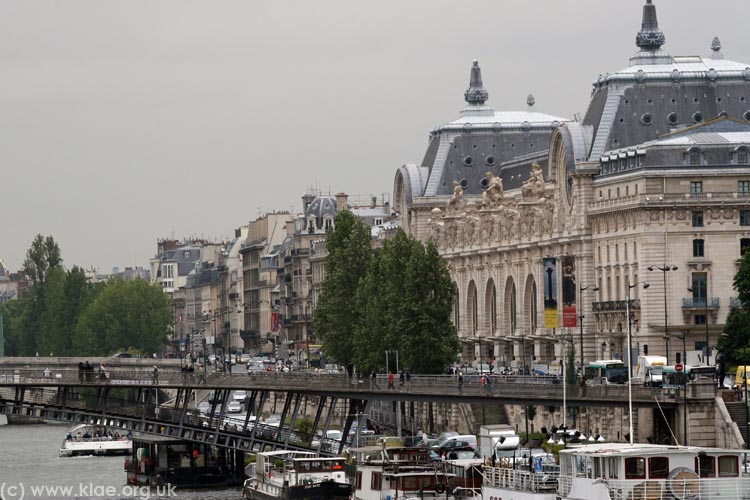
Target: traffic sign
x=678 y=368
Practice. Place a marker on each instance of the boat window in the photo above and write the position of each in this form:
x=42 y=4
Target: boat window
x=614 y=466
x=598 y=467
x=658 y=467
x=580 y=466
x=729 y=466
x=705 y=466
x=566 y=465
x=635 y=468
x=375 y=481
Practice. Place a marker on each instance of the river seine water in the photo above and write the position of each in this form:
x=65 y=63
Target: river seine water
x=30 y=469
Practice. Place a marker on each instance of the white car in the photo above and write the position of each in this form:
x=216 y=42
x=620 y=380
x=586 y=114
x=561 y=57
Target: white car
x=239 y=395
x=234 y=407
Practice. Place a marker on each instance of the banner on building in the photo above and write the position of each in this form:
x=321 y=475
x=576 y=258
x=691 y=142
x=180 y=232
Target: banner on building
x=569 y=291
x=275 y=322
x=550 y=292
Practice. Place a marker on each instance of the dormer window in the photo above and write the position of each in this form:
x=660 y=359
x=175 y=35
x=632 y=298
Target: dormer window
x=741 y=155
x=328 y=224
x=694 y=156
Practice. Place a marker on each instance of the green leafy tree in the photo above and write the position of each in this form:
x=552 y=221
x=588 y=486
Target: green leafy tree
x=12 y=312
x=67 y=294
x=124 y=314
x=43 y=256
x=336 y=313
x=735 y=342
x=42 y=259
x=405 y=303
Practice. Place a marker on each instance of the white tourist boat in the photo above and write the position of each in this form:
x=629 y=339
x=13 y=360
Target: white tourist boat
x=297 y=475
x=626 y=472
x=95 y=440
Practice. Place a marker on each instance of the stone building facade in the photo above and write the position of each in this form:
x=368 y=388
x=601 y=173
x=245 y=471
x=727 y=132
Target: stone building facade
x=549 y=226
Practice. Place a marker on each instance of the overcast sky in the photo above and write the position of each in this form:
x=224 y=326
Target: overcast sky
x=123 y=122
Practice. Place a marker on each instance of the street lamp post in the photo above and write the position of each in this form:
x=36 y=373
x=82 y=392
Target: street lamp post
x=630 y=356
x=581 y=317
x=665 y=269
x=683 y=337
x=707 y=357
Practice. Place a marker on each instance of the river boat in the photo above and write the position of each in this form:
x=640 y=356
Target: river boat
x=163 y=460
x=297 y=475
x=397 y=473
x=619 y=471
x=88 y=439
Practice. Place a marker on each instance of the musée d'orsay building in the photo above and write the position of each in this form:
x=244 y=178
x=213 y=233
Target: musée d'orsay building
x=547 y=222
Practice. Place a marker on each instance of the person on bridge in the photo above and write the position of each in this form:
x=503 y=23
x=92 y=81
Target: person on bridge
x=156 y=374
x=460 y=379
x=80 y=371
x=391 y=378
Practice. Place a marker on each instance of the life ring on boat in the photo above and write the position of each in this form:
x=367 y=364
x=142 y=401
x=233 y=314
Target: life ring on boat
x=682 y=483
x=439 y=489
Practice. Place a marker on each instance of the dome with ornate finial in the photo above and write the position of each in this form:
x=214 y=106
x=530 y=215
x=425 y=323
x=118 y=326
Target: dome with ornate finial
x=481 y=139
x=659 y=92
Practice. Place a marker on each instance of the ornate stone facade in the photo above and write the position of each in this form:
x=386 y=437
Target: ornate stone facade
x=656 y=175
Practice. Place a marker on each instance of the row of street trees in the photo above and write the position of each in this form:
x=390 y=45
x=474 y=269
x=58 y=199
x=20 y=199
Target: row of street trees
x=399 y=296
x=64 y=315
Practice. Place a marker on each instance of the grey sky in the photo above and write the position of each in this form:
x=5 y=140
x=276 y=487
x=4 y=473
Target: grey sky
x=122 y=122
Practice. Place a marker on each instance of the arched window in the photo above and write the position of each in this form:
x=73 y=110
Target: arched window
x=456 y=309
x=493 y=309
x=513 y=309
x=473 y=309
x=534 y=309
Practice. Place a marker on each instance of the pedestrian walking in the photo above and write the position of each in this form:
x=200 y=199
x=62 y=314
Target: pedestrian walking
x=408 y=380
x=80 y=371
x=401 y=379
x=484 y=384
x=373 y=380
x=460 y=379
x=156 y=375
x=201 y=374
x=391 y=378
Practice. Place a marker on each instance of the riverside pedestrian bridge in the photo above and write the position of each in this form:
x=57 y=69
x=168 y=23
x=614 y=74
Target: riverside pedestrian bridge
x=131 y=397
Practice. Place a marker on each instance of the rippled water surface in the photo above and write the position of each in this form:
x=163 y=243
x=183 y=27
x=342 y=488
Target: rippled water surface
x=29 y=461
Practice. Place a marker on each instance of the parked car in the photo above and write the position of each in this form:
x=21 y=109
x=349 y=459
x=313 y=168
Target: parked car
x=239 y=395
x=234 y=407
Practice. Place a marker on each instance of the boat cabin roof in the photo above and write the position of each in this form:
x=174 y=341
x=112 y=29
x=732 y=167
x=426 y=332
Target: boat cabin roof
x=624 y=449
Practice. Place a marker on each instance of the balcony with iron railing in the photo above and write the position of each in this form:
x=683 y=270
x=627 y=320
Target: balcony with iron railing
x=658 y=199
x=700 y=303
x=616 y=305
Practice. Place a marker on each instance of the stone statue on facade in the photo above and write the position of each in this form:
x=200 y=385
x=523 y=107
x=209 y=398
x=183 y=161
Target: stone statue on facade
x=533 y=188
x=456 y=203
x=493 y=196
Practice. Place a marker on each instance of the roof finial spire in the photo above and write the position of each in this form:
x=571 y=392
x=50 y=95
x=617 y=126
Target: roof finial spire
x=650 y=37
x=530 y=101
x=716 y=49
x=476 y=93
